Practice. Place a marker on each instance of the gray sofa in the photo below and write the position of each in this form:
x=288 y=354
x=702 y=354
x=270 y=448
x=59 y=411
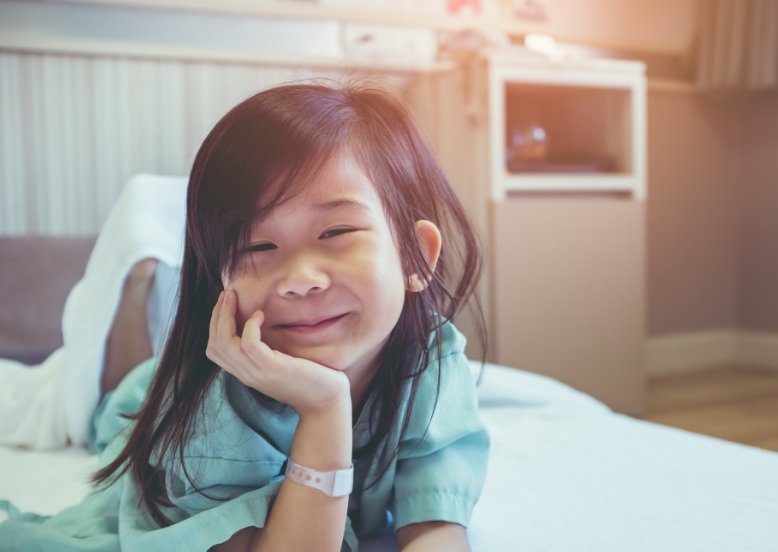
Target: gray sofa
x=36 y=275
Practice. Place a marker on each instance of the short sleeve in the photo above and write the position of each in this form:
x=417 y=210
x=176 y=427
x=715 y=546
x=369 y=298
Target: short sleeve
x=210 y=516
x=232 y=477
x=201 y=521
x=228 y=480
x=442 y=460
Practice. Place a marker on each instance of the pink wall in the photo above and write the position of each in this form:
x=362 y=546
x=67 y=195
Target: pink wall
x=659 y=25
x=693 y=145
x=712 y=213
x=758 y=188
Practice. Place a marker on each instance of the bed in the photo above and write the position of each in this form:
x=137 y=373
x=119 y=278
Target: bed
x=566 y=473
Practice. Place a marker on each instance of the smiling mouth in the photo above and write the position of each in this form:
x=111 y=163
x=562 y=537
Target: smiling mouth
x=312 y=325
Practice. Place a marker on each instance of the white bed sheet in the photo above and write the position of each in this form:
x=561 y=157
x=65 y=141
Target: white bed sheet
x=565 y=474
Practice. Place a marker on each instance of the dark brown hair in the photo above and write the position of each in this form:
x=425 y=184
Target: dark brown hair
x=255 y=158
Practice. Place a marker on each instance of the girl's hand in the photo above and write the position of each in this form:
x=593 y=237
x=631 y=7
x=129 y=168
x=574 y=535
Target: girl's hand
x=306 y=386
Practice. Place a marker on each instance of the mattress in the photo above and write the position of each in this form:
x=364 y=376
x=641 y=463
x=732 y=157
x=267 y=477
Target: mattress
x=565 y=474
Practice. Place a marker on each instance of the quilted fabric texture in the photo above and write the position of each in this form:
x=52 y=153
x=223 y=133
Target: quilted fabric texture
x=36 y=275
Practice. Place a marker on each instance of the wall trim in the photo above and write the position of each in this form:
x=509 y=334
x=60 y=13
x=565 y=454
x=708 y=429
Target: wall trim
x=681 y=352
x=688 y=351
x=758 y=349
x=141 y=30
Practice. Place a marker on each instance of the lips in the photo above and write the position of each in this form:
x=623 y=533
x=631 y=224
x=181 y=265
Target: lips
x=311 y=324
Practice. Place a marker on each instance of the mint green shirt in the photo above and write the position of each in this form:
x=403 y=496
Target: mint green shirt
x=237 y=454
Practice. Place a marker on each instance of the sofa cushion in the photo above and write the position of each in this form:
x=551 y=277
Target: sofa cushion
x=36 y=275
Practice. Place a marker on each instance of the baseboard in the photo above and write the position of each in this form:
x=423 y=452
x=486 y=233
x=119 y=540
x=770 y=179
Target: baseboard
x=758 y=349
x=689 y=351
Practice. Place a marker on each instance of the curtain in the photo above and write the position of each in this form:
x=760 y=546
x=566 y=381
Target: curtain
x=738 y=45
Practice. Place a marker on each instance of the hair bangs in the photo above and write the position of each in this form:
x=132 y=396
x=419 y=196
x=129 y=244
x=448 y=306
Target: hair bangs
x=284 y=181
x=257 y=158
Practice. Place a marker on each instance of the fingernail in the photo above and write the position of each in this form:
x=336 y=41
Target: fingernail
x=221 y=297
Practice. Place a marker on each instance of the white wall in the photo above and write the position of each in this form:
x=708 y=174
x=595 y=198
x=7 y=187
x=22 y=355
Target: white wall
x=111 y=28
x=666 y=26
x=93 y=94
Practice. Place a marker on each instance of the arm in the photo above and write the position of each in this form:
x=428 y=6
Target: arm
x=301 y=518
x=433 y=536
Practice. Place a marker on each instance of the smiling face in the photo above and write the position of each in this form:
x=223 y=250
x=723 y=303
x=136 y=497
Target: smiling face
x=325 y=270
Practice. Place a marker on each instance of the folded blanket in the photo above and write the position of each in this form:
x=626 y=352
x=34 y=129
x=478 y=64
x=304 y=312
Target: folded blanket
x=51 y=404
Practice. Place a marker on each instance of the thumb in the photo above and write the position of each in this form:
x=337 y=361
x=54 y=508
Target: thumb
x=254 y=323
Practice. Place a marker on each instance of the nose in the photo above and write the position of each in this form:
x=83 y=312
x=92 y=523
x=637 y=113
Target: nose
x=303 y=276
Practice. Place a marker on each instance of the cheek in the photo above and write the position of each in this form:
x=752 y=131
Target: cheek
x=249 y=295
x=391 y=307
x=388 y=283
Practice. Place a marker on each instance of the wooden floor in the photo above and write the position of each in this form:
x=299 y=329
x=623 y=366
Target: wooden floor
x=733 y=403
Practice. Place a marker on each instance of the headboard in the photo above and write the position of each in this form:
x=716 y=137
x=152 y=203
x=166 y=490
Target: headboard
x=36 y=275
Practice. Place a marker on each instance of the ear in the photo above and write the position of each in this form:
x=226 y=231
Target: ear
x=430 y=242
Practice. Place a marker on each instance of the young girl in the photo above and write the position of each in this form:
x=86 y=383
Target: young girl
x=312 y=381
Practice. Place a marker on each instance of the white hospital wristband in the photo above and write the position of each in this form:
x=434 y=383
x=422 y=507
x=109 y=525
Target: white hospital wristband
x=332 y=483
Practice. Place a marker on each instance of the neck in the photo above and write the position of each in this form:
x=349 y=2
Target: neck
x=359 y=380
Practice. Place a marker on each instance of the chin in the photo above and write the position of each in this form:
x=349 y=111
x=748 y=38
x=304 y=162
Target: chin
x=333 y=364
x=324 y=360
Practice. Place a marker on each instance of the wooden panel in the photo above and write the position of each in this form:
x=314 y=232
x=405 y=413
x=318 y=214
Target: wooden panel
x=568 y=293
x=736 y=403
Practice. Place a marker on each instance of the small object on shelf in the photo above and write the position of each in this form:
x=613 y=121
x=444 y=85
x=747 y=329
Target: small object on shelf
x=527 y=144
x=529 y=9
x=375 y=44
x=463 y=6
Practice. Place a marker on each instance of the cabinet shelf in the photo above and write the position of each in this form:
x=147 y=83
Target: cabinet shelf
x=577 y=182
x=566 y=125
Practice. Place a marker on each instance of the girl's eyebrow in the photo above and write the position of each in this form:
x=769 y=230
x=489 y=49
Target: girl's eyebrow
x=333 y=204
x=342 y=202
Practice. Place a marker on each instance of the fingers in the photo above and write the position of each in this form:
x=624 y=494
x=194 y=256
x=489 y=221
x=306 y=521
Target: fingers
x=251 y=340
x=251 y=328
x=226 y=331
x=223 y=343
x=215 y=317
x=241 y=356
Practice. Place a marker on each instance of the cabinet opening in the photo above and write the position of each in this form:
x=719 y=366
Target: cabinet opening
x=559 y=129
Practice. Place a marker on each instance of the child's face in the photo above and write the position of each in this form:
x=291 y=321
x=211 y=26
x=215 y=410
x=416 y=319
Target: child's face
x=326 y=273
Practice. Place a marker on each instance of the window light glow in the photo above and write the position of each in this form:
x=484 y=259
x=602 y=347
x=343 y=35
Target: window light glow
x=540 y=42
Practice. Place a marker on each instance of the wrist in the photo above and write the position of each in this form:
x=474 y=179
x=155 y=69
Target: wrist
x=323 y=438
x=334 y=483
x=337 y=404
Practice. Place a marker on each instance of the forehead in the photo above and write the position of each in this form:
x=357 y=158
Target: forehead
x=340 y=184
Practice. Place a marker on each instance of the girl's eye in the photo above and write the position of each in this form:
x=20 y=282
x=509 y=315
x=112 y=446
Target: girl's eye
x=335 y=232
x=265 y=246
